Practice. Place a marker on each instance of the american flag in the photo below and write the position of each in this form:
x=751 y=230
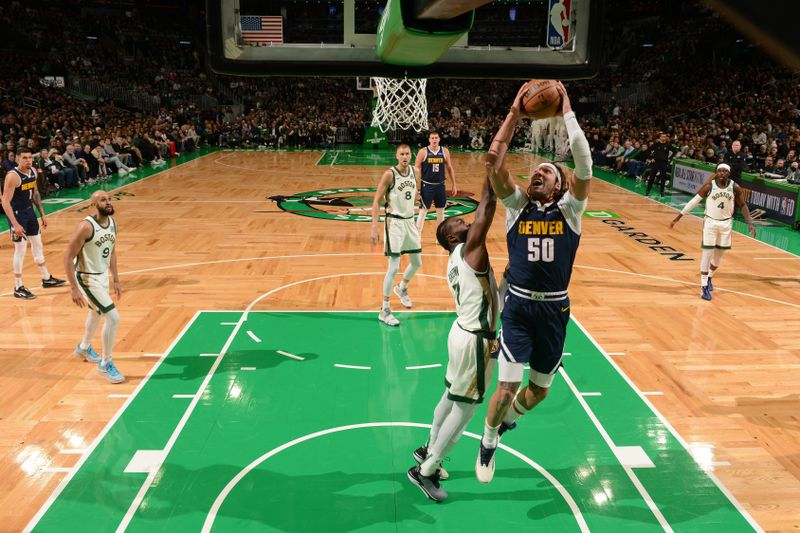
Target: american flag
x=262 y=29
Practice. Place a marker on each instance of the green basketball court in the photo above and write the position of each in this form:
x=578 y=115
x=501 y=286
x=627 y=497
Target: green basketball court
x=305 y=421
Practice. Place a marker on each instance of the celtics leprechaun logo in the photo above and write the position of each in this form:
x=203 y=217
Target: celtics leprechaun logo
x=355 y=204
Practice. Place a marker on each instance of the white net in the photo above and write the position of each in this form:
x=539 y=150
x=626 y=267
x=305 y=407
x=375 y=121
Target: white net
x=401 y=104
x=550 y=135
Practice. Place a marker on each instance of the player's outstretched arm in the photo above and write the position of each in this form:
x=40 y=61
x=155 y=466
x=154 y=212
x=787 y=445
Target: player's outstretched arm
x=495 y=159
x=475 y=253
x=581 y=182
x=82 y=234
x=742 y=205
x=380 y=194
x=694 y=202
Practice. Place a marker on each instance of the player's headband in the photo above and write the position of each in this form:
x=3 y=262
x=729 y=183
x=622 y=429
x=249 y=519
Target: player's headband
x=554 y=169
x=724 y=166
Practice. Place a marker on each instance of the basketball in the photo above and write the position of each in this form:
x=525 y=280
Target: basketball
x=541 y=99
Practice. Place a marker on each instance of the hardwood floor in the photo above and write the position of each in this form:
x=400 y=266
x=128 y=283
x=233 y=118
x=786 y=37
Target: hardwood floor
x=204 y=236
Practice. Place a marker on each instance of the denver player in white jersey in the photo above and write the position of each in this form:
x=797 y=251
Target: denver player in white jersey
x=470 y=343
x=722 y=195
x=397 y=191
x=89 y=257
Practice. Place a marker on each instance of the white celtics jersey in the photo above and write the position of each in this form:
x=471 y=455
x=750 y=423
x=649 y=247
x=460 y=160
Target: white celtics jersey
x=95 y=256
x=720 y=201
x=475 y=293
x=401 y=198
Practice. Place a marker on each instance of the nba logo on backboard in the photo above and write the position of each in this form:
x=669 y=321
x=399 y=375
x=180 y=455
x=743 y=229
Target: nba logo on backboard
x=558 y=24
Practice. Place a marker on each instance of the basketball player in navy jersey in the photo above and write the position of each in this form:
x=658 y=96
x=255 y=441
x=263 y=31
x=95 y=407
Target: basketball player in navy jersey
x=19 y=197
x=543 y=230
x=430 y=165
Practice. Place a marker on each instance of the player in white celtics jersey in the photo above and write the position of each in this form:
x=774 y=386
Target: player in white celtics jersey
x=89 y=257
x=397 y=192
x=722 y=195
x=471 y=341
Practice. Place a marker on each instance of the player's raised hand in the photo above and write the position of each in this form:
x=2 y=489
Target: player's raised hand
x=566 y=106
x=516 y=107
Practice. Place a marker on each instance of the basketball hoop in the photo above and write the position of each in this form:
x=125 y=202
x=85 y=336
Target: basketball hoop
x=401 y=104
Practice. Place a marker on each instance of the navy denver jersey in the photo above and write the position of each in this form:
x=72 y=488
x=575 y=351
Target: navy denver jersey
x=542 y=241
x=433 y=166
x=23 y=193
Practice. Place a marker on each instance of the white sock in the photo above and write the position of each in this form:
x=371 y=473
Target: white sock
x=704 y=280
x=386 y=306
x=403 y=284
x=391 y=273
x=19 y=260
x=490 y=437
x=109 y=333
x=712 y=270
x=92 y=322
x=439 y=414
x=454 y=425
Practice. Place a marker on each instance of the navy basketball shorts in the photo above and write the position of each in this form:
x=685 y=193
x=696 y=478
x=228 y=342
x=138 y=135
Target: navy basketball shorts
x=434 y=195
x=29 y=222
x=534 y=332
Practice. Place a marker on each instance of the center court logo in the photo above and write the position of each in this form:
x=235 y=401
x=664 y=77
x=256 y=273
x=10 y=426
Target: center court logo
x=354 y=204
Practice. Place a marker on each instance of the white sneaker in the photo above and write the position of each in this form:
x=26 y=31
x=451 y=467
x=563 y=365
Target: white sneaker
x=388 y=318
x=484 y=466
x=122 y=172
x=403 y=295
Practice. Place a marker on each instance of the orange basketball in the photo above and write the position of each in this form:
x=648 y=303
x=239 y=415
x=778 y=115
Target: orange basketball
x=541 y=99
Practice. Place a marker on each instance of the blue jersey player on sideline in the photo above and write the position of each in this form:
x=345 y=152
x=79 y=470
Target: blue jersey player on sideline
x=431 y=164
x=19 y=197
x=543 y=230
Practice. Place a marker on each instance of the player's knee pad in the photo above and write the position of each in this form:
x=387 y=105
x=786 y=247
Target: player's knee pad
x=37 y=250
x=705 y=260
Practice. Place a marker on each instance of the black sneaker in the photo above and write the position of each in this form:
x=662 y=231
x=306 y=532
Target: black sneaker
x=23 y=293
x=505 y=427
x=421 y=453
x=428 y=485
x=52 y=282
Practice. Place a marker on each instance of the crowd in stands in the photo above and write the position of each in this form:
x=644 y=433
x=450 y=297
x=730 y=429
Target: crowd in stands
x=703 y=106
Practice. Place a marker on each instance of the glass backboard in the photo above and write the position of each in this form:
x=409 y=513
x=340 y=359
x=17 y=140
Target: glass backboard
x=512 y=39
